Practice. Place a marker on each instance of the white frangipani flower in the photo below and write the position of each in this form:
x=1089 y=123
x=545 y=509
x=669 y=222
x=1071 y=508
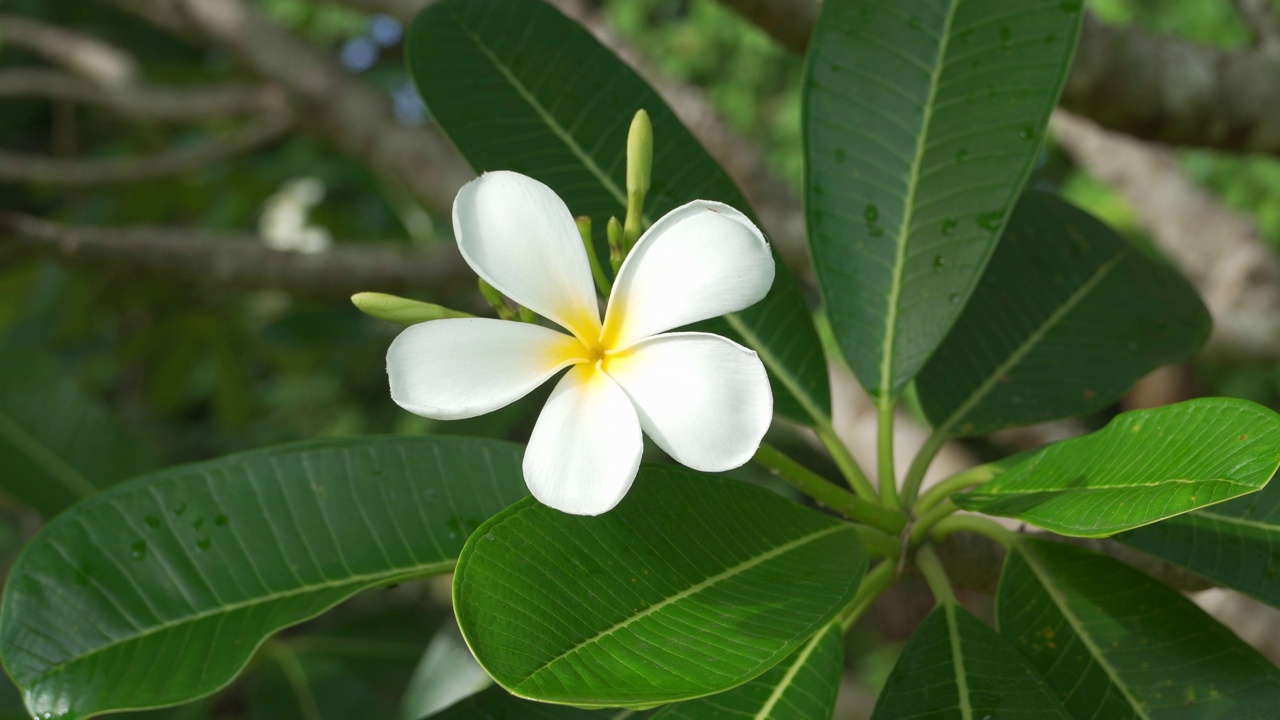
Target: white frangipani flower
x=703 y=399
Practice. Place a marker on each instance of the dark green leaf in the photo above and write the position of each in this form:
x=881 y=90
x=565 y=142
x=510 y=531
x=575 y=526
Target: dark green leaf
x=1236 y=543
x=802 y=686
x=956 y=667
x=517 y=86
x=693 y=585
x=160 y=590
x=56 y=445
x=1067 y=317
x=923 y=118
x=1115 y=644
x=498 y=704
x=1144 y=466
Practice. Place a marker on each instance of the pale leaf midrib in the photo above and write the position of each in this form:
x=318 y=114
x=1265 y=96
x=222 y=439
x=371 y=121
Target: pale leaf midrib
x=789 y=677
x=1095 y=652
x=1020 y=352
x=1238 y=521
x=46 y=458
x=356 y=581
x=1146 y=485
x=537 y=106
x=780 y=371
x=690 y=591
x=887 y=351
x=957 y=662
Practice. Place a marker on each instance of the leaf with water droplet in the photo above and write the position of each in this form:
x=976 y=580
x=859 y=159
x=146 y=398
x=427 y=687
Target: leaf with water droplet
x=315 y=532
x=992 y=220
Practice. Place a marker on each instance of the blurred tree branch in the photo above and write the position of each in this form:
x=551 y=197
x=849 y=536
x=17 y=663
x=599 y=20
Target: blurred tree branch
x=21 y=167
x=81 y=54
x=1153 y=87
x=149 y=102
x=238 y=259
x=356 y=117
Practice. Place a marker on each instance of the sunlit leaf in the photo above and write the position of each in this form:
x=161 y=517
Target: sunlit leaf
x=1144 y=466
x=802 y=686
x=693 y=585
x=1236 y=544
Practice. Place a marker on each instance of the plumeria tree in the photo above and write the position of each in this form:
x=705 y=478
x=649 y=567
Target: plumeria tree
x=588 y=583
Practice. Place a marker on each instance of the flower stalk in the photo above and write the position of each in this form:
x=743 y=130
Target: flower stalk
x=828 y=494
x=597 y=272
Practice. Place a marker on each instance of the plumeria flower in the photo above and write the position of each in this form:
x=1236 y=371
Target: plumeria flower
x=703 y=399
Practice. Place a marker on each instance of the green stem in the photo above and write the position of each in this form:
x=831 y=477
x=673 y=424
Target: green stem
x=819 y=488
x=884 y=453
x=879 y=543
x=297 y=679
x=593 y=259
x=924 y=523
x=974 y=524
x=874 y=583
x=849 y=467
x=960 y=481
x=934 y=574
x=920 y=465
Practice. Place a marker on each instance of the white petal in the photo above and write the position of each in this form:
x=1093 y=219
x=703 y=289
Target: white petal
x=517 y=234
x=462 y=367
x=702 y=398
x=585 y=449
x=699 y=261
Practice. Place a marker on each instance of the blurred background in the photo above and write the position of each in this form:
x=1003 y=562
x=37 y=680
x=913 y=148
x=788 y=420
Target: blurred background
x=190 y=190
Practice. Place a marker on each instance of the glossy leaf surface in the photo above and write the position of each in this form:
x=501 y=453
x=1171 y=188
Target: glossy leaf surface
x=518 y=86
x=1113 y=643
x=1236 y=544
x=693 y=585
x=1067 y=316
x=922 y=121
x=498 y=704
x=56 y=445
x=1144 y=466
x=954 y=666
x=802 y=686
x=160 y=590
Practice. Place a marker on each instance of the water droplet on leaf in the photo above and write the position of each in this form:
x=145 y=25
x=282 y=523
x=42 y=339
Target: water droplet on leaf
x=204 y=544
x=948 y=228
x=220 y=520
x=871 y=213
x=138 y=550
x=153 y=522
x=962 y=155
x=991 y=220
x=939 y=264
